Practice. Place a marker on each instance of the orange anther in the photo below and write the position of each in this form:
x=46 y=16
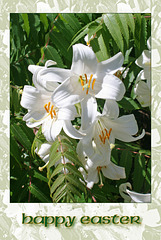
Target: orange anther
x=90 y=80
x=51 y=112
x=54 y=112
x=86 y=77
x=82 y=82
x=93 y=83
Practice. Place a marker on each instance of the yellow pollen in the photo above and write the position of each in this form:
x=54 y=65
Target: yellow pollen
x=49 y=110
x=93 y=83
x=105 y=135
x=85 y=83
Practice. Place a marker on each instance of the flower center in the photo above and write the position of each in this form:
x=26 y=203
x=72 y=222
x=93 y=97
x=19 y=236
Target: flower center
x=50 y=109
x=105 y=135
x=86 y=83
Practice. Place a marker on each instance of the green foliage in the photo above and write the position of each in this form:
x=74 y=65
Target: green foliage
x=65 y=180
x=36 y=38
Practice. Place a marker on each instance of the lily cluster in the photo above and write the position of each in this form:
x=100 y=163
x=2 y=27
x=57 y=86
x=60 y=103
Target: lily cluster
x=52 y=102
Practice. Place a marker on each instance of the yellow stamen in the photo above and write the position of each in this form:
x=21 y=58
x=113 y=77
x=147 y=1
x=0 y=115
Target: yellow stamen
x=93 y=83
x=49 y=110
x=48 y=106
x=45 y=106
x=41 y=168
x=105 y=135
x=90 y=80
x=82 y=82
x=86 y=77
x=100 y=176
x=54 y=112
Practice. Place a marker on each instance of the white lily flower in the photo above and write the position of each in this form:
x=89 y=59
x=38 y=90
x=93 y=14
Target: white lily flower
x=90 y=78
x=144 y=61
x=133 y=197
x=107 y=127
x=94 y=150
x=142 y=88
x=109 y=170
x=142 y=91
x=41 y=110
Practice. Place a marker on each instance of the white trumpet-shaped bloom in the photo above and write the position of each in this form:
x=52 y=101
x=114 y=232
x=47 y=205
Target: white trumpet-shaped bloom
x=90 y=78
x=107 y=127
x=41 y=110
x=142 y=85
x=94 y=149
x=131 y=196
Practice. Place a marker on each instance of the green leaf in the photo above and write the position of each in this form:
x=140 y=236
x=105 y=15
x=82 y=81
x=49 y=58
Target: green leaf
x=128 y=104
x=54 y=148
x=139 y=172
x=62 y=45
x=130 y=21
x=60 y=179
x=44 y=20
x=53 y=159
x=38 y=194
x=104 y=53
x=63 y=194
x=15 y=151
x=79 y=36
x=121 y=19
x=15 y=100
x=73 y=158
x=21 y=136
x=114 y=29
x=52 y=54
x=126 y=161
x=84 y=17
x=93 y=29
x=137 y=34
x=57 y=170
x=26 y=23
x=72 y=21
x=75 y=181
x=40 y=176
x=60 y=191
x=71 y=188
x=72 y=169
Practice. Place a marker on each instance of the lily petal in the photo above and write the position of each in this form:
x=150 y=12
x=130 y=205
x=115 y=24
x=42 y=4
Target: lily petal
x=48 y=78
x=111 y=65
x=143 y=93
x=89 y=111
x=71 y=131
x=111 y=109
x=144 y=59
x=113 y=171
x=111 y=88
x=67 y=113
x=65 y=95
x=123 y=128
x=51 y=128
x=138 y=197
x=33 y=99
x=84 y=60
x=92 y=178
